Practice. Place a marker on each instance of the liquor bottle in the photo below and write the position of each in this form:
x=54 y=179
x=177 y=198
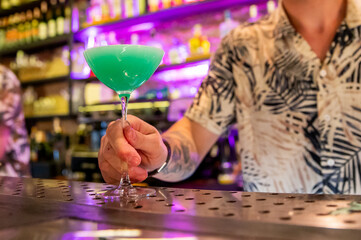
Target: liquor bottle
x=51 y=19
x=44 y=153
x=205 y=45
x=21 y=28
x=8 y=30
x=142 y=7
x=195 y=41
x=166 y=4
x=135 y=8
x=33 y=145
x=174 y=54
x=13 y=30
x=271 y=6
x=253 y=13
x=96 y=11
x=16 y=32
x=134 y=39
x=35 y=25
x=105 y=11
x=2 y=32
x=43 y=27
x=27 y=26
x=14 y=3
x=116 y=9
x=5 y=4
x=153 y=5
x=177 y=2
x=228 y=24
x=58 y=144
x=60 y=17
x=67 y=19
x=129 y=8
x=112 y=38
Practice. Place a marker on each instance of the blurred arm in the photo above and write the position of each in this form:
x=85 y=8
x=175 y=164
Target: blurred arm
x=189 y=143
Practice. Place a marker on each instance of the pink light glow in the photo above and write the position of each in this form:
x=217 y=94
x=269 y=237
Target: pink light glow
x=183 y=73
x=141 y=27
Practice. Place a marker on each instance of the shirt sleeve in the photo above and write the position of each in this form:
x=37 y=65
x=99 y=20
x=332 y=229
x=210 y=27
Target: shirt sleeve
x=17 y=152
x=213 y=106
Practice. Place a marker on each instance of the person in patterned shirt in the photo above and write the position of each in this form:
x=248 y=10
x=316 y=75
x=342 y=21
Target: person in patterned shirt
x=14 y=147
x=292 y=84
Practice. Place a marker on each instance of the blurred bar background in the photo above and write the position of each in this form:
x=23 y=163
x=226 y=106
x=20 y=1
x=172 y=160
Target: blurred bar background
x=67 y=109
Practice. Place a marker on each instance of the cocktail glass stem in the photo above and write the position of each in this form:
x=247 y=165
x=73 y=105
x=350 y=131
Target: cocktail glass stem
x=124 y=102
x=126 y=190
x=125 y=187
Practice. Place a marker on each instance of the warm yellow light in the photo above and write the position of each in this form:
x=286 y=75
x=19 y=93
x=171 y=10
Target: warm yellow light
x=109 y=233
x=140 y=105
x=131 y=106
x=162 y=104
x=170 y=238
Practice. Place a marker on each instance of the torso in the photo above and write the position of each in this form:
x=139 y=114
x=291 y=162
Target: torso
x=299 y=119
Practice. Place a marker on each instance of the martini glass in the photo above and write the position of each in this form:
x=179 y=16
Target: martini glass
x=124 y=68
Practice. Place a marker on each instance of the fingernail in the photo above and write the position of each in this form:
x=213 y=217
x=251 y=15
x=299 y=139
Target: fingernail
x=129 y=132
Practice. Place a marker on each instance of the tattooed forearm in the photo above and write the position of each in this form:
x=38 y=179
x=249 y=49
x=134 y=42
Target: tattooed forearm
x=184 y=158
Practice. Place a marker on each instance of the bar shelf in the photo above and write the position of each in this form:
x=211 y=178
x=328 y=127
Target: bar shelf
x=34 y=46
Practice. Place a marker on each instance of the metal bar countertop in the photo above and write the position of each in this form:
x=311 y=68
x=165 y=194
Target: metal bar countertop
x=58 y=209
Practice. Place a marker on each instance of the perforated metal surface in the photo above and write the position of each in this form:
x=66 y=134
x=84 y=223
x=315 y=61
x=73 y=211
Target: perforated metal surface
x=200 y=212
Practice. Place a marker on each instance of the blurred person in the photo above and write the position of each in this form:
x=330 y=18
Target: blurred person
x=14 y=147
x=291 y=82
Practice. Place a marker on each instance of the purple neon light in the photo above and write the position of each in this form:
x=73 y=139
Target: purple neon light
x=176 y=73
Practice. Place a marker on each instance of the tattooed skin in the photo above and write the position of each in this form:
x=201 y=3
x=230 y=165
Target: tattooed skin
x=184 y=158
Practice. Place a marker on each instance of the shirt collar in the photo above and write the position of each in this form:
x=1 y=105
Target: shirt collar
x=284 y=27
x=353 y=13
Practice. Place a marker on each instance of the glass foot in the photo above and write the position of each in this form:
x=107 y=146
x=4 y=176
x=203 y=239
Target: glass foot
x=131 y=193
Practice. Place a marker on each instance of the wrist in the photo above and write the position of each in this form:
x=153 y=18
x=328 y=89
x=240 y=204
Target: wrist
x=164 y=165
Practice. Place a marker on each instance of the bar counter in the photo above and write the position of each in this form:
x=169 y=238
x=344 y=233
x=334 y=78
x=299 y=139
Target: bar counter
x=58 y=209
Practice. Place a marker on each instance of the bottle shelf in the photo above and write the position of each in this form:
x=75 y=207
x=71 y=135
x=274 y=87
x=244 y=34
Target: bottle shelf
x=164 y=15
x=20 y=8
x=38 y=45
x=45 y=81
x=49 y=117
x=125 y=25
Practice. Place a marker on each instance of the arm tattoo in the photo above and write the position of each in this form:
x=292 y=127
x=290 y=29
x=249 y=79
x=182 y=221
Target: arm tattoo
x=184 y=158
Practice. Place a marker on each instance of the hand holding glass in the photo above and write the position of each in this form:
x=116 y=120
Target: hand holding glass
x=124 y=68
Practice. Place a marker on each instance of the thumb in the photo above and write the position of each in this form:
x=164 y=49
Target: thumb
x=138 y=140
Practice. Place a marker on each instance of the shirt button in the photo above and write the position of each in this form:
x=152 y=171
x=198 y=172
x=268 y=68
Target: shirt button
x=323 y=73
x=330 y=162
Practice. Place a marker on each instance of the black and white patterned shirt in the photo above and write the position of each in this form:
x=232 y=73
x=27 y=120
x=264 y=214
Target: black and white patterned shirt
x=17 y=153
x=299 y=119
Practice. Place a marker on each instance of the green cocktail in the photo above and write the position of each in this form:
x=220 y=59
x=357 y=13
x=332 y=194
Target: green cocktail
x=124 y=68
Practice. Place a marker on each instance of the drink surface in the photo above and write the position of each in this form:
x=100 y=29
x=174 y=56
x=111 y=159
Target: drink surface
x=123 y=68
